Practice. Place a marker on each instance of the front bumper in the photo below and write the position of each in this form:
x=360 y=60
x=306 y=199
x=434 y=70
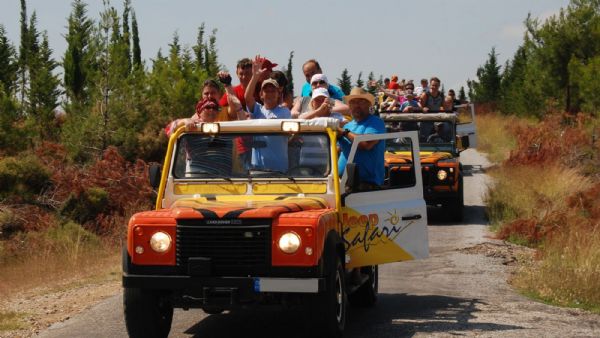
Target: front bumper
x=247 y=284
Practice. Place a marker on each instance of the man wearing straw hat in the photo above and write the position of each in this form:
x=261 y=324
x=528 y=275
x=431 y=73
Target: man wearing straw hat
x=369 y=155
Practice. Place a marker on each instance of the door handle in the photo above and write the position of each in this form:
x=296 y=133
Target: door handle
x=410 y=218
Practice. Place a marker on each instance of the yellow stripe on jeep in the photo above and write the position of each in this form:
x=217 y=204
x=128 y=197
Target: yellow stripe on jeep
x=209 y=189
x=289 y=188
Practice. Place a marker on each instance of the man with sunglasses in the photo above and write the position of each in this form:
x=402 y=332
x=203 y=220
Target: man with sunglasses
x=312 y=67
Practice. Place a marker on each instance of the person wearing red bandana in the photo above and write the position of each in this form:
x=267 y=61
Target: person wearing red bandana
x=207 y=110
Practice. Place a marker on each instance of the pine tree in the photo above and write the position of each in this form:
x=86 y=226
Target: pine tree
x=137 y=52
x=77 y=58
x=288 y=73
x=23 y=51
x=359 y=82
x=212 y=64
x=8 y=64
x=199 y=47
x=126 y=35
x=462 y=97
x=371 y=79
x=487 y=87
x=44 y=92
x=345 y=82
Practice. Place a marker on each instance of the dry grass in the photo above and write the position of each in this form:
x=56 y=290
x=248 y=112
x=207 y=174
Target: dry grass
x=531 y=192
x=55 y=271
x=546 y=194
x=495 y=135
x=10 y=320
x=568 y=272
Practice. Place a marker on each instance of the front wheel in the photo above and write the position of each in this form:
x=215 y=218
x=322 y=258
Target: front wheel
x=329 y=309
x=147 y=313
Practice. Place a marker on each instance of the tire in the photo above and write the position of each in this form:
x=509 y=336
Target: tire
x=366 y=294
x=455 y=208
x=328 y=311
x=147 y=313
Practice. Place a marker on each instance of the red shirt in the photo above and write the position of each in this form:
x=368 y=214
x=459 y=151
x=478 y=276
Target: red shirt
x=393 y=85
x=239 y=92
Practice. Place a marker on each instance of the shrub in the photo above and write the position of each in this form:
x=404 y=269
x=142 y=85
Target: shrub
x=86 y=206
x=22 y=178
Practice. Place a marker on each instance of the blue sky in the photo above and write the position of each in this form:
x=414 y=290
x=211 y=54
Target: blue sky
x=415 y=39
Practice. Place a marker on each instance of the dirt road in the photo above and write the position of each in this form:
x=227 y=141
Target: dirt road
x=460 y=290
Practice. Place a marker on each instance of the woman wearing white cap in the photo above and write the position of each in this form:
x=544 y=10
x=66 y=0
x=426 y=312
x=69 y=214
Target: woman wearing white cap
x=304 y=105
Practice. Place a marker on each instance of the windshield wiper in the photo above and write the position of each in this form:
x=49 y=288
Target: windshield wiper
x=271 y=171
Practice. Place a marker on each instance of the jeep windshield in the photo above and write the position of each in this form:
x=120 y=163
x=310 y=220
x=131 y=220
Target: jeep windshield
x=252 y=156
x=433 y=136
x=437 y=131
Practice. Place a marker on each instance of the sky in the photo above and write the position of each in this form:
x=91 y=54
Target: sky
x=414 y=40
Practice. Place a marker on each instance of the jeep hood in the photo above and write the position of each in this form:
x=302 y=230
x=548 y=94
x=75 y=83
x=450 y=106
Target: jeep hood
x=427 y=157
x=243 y=207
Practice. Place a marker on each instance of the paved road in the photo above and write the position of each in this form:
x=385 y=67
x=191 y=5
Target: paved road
x=451 y=293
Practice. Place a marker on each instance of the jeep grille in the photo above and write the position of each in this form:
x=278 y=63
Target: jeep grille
x=236 y=247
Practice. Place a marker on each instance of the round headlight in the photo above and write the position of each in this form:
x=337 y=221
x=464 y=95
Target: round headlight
x=289 y=242
x=442 y=174
x=160 y=242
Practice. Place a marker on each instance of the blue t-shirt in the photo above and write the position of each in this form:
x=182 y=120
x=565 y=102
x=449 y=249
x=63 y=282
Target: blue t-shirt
x=273 y=150
x=370 y=162
x=334 y=91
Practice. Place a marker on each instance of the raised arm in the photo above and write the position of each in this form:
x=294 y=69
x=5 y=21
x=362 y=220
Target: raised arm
x=257 y=72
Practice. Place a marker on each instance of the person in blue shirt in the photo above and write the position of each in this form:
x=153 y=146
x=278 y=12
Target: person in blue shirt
x=275 y=155
x=369 y=156
x=312 y=67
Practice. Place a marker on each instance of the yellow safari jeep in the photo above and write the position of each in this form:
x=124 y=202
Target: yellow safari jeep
x=442 y=137
x=253 y=213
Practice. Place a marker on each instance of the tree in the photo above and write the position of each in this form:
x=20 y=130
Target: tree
x=345 y=82
x=77 y=58
x=23 y=53
x=44 y=92
x=359 y=82
x=487 y=87
x=8 y=64
x=199 y=47
x=371 y=89
x=288 y=73
x=462 y=97
x=137 y=51
x=126 y=35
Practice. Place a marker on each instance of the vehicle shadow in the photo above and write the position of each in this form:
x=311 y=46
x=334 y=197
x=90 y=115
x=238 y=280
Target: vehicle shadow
x=401 y=315
x=473 y=214
x=395 y=315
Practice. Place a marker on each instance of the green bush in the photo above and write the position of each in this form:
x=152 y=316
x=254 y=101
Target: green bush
x=22 y=178
x=85 y=206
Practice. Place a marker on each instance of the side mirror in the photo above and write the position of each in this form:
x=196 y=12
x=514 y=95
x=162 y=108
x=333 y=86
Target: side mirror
x=353 y=178
x=464 y=140
x=155 y=173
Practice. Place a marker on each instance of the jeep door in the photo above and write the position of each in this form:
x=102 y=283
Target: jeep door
x=387 y=224
x=465 y=124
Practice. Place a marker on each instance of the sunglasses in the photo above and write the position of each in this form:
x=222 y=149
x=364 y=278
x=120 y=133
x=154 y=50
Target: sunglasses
x=320 y=82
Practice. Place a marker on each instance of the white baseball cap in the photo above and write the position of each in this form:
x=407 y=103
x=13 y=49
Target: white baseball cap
x=318 y=77
x=320 y=92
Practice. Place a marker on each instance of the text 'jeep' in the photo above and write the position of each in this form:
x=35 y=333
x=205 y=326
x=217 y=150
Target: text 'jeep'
x=229 y=233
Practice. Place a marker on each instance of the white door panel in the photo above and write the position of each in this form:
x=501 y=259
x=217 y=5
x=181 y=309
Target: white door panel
x=388 y=225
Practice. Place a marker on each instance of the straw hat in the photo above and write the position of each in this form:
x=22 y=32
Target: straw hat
x=359 y=93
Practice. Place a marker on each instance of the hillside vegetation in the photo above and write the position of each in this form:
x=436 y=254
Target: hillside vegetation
x=544 y=136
